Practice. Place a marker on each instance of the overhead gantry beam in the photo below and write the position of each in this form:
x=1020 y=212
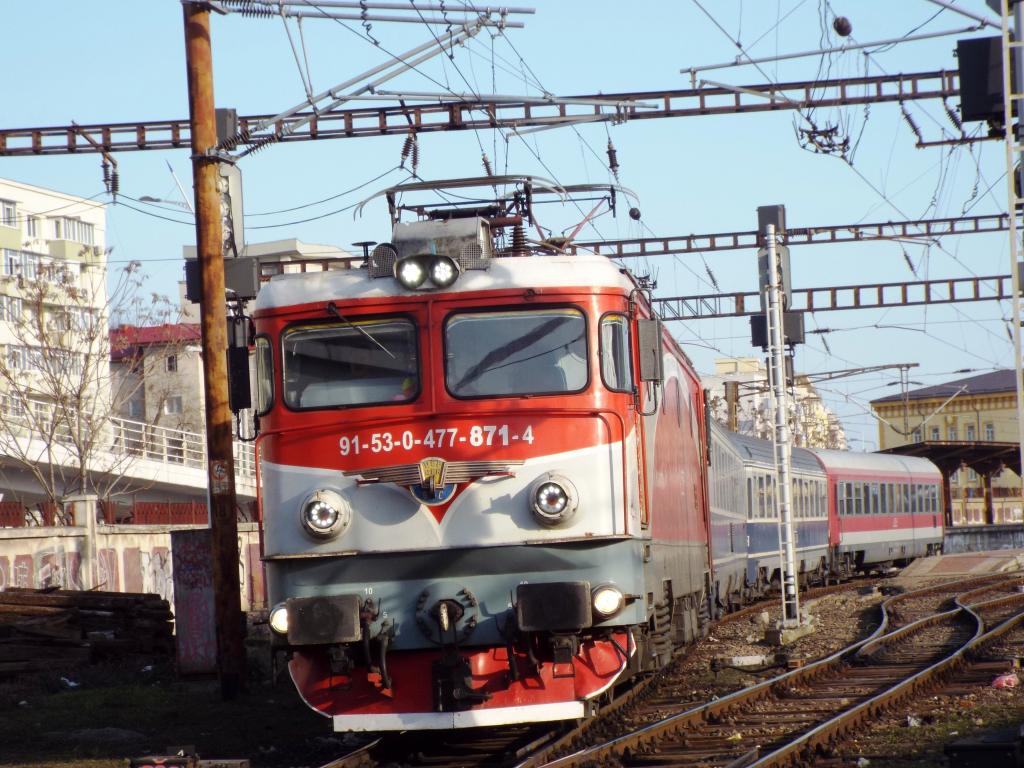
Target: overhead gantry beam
x=481 y=115
x=840 y=297
x=922 y=229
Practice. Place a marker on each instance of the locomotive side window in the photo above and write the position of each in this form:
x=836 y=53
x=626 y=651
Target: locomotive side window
x=264 y=375
x=616 y=371
x=358 y=363
x=515 y=353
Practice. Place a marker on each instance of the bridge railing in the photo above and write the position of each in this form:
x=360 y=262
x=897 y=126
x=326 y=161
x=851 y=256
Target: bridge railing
x=125 y=438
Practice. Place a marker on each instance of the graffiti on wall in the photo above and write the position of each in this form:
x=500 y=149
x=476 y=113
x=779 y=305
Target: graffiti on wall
x=156 y=572
x=195 y=623
x=107 y=571
x=48 y=567
x=56 y=567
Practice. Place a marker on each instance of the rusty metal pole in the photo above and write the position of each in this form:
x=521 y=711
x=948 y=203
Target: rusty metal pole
x=219 y=426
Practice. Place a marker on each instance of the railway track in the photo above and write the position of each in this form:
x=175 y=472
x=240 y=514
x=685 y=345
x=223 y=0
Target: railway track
x=920 y=635
x=807 y=711
x=526 y=745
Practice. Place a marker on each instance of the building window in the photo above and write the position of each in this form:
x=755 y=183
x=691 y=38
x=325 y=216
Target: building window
x=969 y=432
x=990 y=432
x=136 y=408
x=8 y=213
x=58 y=229
x=10 y=309
x=78 y=231
x=951 y=432
x=917 y=435
x=171 y=363
x=935 y=433
x=32 y=226
x=173 y=404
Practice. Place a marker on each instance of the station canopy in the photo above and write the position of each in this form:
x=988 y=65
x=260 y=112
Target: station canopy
x=984 y=457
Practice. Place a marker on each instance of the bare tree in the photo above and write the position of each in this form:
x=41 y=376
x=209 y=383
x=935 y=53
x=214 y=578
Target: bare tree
x=59 y=401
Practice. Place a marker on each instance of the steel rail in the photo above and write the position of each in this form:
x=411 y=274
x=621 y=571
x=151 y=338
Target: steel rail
x=461 y=115
x=651 y=733
x=837 y=728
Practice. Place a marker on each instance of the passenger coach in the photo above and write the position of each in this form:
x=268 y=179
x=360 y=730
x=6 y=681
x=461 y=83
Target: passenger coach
x=882 y=508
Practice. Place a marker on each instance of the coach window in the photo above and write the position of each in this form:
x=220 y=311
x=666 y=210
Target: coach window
x=615 y=365
x=361 y=362
x=535 y=352
x=264 y=375
x=750 y=498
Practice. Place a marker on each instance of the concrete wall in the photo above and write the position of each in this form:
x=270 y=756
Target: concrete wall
x=983 y=538
x=120 y=558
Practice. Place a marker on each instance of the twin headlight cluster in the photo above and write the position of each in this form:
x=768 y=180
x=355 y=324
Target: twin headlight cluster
x=425 y=272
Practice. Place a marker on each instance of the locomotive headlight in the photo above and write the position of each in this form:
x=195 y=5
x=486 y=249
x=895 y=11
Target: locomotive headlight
x=325 y=513
x=553 y=499
x=279 y=619
x=411 y=272
x=443 y=271
x=607 y=601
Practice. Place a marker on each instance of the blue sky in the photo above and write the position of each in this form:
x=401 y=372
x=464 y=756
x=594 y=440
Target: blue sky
x=123 y=60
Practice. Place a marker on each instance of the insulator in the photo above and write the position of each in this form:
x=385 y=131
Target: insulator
x=410 y=140
x=518 y=240
x=487 y=164
x=711 y=277
x=253 y=10
x=263 y=143
x=115 y=182
x=906 y=258
x=613 y=160
x=954 y=118
x=231 y=144
x=415 y=155
x=106 y=173
x=910 y=121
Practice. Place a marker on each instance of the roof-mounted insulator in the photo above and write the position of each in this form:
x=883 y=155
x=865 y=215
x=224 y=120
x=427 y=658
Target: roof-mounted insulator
x=487 y=164
x=519 y=241
x=613 y=160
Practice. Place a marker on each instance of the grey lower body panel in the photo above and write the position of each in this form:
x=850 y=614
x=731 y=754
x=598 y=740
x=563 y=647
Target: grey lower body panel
x=405 y=586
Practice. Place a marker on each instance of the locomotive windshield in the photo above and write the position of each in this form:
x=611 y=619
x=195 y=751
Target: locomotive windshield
x=516 y=353
x=360 y=363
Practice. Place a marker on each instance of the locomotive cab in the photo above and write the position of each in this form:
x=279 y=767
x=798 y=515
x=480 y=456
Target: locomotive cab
x=462 y=515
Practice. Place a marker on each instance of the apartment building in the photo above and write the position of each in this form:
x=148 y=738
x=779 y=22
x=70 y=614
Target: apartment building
x=812 y=423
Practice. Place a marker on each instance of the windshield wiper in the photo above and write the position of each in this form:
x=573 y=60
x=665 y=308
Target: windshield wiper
x=332 y=308
x=501 y=354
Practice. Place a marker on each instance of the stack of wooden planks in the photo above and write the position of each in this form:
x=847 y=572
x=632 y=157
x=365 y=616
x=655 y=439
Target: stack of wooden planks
x=47 y=629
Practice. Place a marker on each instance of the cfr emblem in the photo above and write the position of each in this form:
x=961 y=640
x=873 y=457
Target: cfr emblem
x=432 y=474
